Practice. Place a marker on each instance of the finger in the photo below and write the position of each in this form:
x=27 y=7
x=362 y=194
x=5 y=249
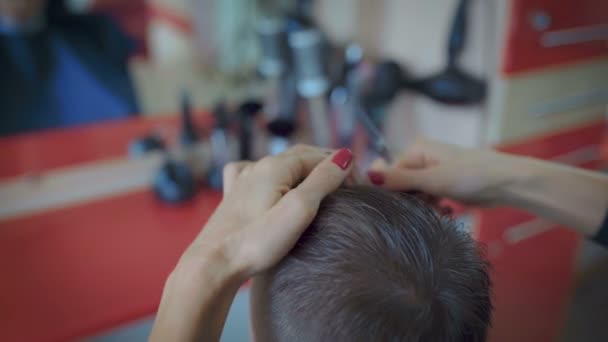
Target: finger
x=304 y=200
x=412 y=159
x=355 y=177
x=379 y=164
x=299 y=148
x=327 y=176
x=397 y=179
x=424 y=153
x=285 y=222
x=290 y=167
x=231 y=172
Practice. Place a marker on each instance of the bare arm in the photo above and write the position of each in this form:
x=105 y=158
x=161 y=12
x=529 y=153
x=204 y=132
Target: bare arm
x=574 y=197
x=196 y=299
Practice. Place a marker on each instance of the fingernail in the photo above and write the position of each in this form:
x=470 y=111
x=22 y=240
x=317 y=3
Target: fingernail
x=343 y=158
x=376 y=177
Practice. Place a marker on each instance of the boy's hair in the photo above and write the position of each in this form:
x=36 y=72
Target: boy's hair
x=377 y=266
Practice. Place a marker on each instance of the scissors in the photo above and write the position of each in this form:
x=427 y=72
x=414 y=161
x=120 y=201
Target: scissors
x=376 y=138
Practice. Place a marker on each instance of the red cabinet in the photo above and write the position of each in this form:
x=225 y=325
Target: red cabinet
x=543 y=33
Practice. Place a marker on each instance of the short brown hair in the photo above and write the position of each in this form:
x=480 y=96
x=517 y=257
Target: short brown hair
x=376 y=266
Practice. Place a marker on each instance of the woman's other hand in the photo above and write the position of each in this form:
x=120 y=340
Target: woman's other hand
x=472 y=176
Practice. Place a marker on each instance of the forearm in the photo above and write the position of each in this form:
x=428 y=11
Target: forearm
x=196 y=300
x=570 y=196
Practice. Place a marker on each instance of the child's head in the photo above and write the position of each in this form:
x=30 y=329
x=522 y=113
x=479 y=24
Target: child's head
x=375 y=266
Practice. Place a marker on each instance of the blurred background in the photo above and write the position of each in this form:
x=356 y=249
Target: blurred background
x=118 y=116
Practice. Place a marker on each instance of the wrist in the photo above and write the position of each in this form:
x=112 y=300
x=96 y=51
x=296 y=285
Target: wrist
x=208 y=265
x=516 y=176
x=199 y=289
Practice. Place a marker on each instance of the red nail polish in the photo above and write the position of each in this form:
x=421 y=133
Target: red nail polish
x=343 y=158
x=376 y=177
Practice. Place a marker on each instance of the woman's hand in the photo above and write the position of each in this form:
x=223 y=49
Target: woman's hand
x=571 y=196
x=473 y=176
x=267 y=205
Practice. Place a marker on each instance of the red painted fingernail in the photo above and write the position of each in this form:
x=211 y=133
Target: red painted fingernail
x=343 y=158
x=376 y=177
